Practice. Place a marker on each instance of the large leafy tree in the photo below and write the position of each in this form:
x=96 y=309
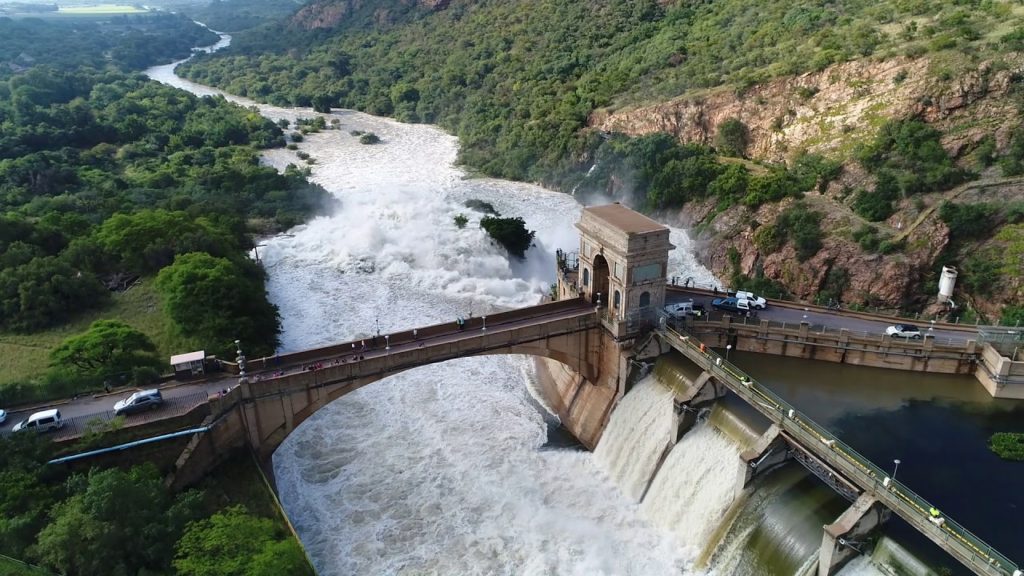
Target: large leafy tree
x=107 y=348
x=148 y=240
x=127 y=512
x=217 y=301
x=235 y=543
x=45 y=291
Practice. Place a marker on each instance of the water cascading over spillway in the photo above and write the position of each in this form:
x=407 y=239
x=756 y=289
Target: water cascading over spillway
x=695 y=486
x=778 y=530
x=637 y=435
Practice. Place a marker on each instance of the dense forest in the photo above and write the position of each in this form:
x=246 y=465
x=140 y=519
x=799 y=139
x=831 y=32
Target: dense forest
x=106 y=177
x=114 y=187
x=523 y=83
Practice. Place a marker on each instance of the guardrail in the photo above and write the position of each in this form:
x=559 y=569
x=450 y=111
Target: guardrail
x=969 y=549
x=815 y=328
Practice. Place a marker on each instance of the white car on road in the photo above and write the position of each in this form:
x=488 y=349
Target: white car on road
x=753 y=300
x=904 y=331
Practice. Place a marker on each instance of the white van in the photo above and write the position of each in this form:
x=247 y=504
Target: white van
x=41 y=422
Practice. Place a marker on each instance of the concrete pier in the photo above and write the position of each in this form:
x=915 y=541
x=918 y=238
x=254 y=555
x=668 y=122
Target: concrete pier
x=839 y=542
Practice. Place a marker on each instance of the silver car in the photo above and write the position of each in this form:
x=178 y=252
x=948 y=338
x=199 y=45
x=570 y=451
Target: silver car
x=139 y=401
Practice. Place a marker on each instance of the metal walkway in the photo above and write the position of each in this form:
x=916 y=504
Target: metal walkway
x=959 y=542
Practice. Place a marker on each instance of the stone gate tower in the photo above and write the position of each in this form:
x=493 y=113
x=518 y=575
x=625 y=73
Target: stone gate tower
x=623 y=264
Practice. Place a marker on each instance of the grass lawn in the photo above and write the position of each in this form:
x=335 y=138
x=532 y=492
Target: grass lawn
x=24 y=356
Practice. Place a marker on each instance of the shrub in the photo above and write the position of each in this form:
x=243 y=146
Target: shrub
x=873 y=205
x=369 y=138
x=1007 y=445
x=461 y=221
x=803 y=226
x=511 y=233
x=767 y=238
x=297 y=137
x=732 y=138
x=967 y=221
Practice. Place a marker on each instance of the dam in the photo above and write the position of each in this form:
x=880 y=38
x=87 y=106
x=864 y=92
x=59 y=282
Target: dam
x=596 y=344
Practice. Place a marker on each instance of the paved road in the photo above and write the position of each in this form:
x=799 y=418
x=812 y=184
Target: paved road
x=833 y=320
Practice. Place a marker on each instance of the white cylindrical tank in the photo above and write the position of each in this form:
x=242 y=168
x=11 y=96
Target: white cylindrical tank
x=947 y=281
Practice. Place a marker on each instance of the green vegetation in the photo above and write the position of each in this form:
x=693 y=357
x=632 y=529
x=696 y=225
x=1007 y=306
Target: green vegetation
x=801 y=225
x=369 y=138
x=511 y=233
x=234 y=543
x=123 y=43
x=218 y=300
x=106 y=178
x=517 y=80
x=460 y=221
x=109 y=349
x=732 y=138
x=906 y=158
x=1007 y=445
x=124 y=521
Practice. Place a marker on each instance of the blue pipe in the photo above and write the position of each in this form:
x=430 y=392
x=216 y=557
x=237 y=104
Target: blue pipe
x=63 y=459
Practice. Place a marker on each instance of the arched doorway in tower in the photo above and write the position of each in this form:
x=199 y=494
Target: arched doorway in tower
x=600 y=279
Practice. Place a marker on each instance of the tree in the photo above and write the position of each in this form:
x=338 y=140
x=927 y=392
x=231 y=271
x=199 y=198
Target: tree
x=129 y=512
x=45 y=291
x=217 y=301
x=732 y=138
x=235 y=543
x=148 y=240
x=107 y=348
x=511 y=233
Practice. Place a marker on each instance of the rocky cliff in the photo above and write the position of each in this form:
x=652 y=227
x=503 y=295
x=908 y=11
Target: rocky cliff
x=830 y=112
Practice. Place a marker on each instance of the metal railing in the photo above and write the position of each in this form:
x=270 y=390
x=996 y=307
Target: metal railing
x=968 y=548
x=821 y=329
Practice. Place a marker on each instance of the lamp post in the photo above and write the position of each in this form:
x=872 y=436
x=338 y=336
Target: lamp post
x=728 y=348
x=240 y=358
x=895 y=468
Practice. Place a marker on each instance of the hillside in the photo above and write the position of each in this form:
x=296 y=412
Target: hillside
x=854 y=120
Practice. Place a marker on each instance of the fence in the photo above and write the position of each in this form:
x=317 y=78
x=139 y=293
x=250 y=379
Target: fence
x=964 y=545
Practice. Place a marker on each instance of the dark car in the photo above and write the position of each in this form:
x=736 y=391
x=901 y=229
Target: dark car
x=139 y=401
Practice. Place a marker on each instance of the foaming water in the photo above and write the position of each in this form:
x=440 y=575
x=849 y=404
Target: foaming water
x=437 y=470
x=636 y=437
x=695 y=486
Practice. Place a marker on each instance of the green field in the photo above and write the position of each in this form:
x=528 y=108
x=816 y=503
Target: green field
x=24 y=356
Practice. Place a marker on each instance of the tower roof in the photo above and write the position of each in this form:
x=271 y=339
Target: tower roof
x=629 y=221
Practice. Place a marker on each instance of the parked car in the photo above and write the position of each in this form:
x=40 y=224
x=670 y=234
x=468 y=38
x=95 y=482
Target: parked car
x=41 y=422
x=139 y=401
x=3 y=416
x=741 y=305
x=904 y=331
x=680 y=310
x=755 y=301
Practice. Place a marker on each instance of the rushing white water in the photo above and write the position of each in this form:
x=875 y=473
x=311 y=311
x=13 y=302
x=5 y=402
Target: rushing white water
x=695 y=486
x=436 y=470
x=638 y=433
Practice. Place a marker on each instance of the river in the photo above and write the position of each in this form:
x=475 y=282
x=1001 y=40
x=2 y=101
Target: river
x=444 y=469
